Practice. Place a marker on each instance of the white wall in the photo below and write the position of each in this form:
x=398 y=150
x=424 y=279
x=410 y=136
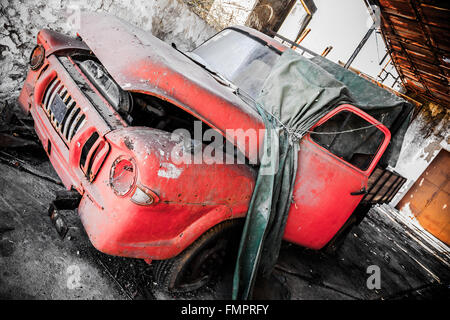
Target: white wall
x=425 y=137
x=20 y=21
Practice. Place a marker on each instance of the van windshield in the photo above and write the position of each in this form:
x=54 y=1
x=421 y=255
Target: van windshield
x=244 y=61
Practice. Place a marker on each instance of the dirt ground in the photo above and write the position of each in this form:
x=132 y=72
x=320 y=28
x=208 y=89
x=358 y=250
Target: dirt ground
x=35 y=263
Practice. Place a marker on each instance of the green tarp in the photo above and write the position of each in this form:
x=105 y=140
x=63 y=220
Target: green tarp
x=297 y=93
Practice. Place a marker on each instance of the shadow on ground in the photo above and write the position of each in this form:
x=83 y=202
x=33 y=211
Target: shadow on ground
x=36 y=264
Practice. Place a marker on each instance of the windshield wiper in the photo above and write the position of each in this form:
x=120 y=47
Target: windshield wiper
x=216 y=75
x=244 y=96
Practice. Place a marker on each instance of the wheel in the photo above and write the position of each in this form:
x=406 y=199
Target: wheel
x=202 y=261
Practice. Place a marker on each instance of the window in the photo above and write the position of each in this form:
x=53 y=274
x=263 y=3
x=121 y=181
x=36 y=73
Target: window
x=349 y=137
x=241 y=59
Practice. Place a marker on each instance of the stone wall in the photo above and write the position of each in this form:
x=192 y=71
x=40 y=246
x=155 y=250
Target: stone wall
x=20 y=21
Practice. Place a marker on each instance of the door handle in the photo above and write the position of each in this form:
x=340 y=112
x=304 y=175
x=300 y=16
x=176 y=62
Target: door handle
x=360 y=192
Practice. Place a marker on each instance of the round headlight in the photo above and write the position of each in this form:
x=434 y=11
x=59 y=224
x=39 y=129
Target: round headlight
x=37 y=57
x=122 y=176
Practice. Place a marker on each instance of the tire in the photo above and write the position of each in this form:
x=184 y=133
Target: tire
x=189 y=270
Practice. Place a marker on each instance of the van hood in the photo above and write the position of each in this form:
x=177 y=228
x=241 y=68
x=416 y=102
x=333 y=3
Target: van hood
x=140 y=62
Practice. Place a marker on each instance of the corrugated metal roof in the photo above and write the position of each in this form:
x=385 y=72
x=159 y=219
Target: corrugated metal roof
x=417 y=33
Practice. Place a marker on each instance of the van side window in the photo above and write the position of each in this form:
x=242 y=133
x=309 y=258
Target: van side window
x=349 y=137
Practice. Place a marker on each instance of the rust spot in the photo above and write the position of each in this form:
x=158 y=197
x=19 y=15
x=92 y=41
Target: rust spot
x=128 y=143
x=431 y=149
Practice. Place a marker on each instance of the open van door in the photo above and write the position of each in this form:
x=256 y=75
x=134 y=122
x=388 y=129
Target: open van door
x=336 y=159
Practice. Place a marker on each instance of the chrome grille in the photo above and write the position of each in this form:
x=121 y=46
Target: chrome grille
x=71 y=118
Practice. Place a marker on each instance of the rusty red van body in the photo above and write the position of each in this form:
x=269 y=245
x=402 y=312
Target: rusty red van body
x=107 y=137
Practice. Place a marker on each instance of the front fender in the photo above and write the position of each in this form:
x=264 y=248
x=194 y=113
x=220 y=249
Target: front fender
x=192 y=198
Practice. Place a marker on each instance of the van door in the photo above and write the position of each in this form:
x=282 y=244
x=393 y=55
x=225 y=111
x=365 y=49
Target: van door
x=335 y=160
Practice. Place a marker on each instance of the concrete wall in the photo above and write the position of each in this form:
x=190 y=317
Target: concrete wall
x=426 y=136
x=224 y=13
x=20 y=21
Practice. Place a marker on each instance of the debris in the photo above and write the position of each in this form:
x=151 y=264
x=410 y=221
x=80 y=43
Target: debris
x=12 y=161
x=4 y=229
x=59 y=222
x=13 y=141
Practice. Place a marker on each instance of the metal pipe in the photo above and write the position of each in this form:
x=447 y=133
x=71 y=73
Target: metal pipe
x=360 y=46
x=303 y=35
x=292 y=43
x=326 y=51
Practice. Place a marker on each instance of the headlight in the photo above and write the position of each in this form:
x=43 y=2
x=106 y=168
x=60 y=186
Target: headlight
x=123 y=176
x=96 y=73
x=37 y=57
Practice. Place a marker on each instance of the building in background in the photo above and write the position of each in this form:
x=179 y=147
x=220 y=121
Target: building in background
x=294 y=26
x=416 y=34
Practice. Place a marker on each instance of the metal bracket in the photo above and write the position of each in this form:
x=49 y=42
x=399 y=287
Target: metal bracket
x=64 y=200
